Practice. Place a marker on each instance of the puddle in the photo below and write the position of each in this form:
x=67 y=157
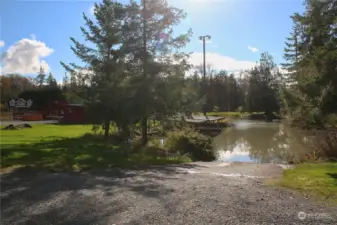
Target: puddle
x=286 y=166
x=226 y=174
x=237 y=175
x=223 y=164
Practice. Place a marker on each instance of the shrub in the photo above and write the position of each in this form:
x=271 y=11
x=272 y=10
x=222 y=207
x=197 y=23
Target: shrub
x=326 y=143
x=318 y=145
x=188 y=141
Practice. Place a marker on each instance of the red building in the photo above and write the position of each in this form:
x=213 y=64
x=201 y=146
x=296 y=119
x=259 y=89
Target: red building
x=20 y=109
x=69 y=113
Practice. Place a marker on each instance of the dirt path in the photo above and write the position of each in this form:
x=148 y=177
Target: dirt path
x=199 y=193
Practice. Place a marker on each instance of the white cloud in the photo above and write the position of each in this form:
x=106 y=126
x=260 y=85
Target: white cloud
x=25 y=57
x=253 y=49
x=221 y=62
x=2 y=43
x=241 y=149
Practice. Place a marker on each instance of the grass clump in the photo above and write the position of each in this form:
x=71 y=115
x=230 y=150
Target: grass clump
x=316 y=179
x=190 y=142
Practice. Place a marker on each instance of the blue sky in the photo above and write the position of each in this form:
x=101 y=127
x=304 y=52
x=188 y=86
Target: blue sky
x=36 y=32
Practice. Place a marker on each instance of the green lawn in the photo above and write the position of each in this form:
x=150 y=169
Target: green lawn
x=67 y=147
x=317 y=179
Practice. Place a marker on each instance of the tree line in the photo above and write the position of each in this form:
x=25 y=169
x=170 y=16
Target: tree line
x=42 y=89
x=255 y=90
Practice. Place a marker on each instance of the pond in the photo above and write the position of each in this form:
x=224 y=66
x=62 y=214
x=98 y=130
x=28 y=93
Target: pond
x=260 y=142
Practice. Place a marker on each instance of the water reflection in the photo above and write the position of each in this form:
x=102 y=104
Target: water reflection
x=259 y=142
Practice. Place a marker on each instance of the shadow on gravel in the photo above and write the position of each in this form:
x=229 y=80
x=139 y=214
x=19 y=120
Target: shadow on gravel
x=30 y=197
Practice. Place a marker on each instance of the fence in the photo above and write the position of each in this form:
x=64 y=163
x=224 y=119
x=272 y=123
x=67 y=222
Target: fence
x=6 y=116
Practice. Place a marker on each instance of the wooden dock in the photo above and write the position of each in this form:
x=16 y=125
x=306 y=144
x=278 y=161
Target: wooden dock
x=208 y=123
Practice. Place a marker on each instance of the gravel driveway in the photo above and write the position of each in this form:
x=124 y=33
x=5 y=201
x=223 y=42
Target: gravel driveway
x=199 y=193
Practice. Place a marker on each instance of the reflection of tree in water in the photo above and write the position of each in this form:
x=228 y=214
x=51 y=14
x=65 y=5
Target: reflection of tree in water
x=266 y=143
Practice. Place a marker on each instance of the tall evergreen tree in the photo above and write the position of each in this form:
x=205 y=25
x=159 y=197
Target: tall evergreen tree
x=292 y=51
x=152 y=50
x=40 y=78
x=51 y=81
x=65 y=82
x=313 y=97
x=263 y=90
x=103 y=87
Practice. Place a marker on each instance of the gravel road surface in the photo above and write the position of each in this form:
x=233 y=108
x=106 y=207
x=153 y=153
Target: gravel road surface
x=199 y=193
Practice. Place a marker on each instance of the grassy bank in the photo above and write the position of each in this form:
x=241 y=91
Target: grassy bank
x=315 y=179
x=69 y=147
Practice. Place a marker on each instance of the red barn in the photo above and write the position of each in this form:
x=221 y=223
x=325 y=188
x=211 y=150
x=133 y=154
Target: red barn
x=70 y=113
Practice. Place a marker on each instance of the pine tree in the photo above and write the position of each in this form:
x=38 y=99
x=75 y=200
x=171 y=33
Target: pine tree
x=292 y=50
x=51 y=82
x=73 y=81
x=321 y=17
x=150 y=23
x=102 y=87
x=263 y=90
x=40 y=78
x=65 y=82
x=313 y=97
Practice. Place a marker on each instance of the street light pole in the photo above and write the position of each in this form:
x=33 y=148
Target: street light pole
x=204 y=38
x=144 y=120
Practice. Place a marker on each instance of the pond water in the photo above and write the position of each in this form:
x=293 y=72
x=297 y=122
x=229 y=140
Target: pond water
x=260 y=142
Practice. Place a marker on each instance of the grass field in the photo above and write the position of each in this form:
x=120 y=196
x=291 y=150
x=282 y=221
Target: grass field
x=317 y=179
x=67 y=147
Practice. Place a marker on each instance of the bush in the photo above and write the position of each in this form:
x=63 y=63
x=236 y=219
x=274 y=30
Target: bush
x=318 y=145
x=326 y=144
x=188 y=141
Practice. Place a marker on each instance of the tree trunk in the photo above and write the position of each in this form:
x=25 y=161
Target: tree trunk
x=268 y=115
x=106 y=128
x=144 y=130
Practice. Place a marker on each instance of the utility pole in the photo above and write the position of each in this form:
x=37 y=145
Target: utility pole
x=144 y=119
x=204 y=38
